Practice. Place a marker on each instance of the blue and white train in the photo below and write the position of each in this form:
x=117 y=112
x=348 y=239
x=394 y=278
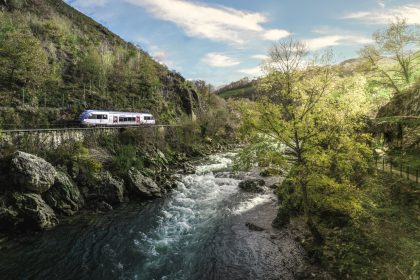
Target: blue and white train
x=110 y=118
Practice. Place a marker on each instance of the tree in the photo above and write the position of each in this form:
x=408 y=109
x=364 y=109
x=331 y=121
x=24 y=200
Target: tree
x=394 y=56
x=303 y=120
x=23 y=61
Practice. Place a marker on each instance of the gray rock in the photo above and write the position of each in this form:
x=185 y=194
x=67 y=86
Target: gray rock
x=64 y=196
x=252 y=185
x=102 y=206
x=142 y=186
x=31 y=172
x=30 y=211
x=254 y=227
x=108 y=189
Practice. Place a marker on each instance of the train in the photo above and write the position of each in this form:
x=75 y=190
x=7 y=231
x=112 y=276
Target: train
x=111 y=118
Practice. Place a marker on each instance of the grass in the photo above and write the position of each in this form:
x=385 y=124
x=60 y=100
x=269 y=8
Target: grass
x=385 y=242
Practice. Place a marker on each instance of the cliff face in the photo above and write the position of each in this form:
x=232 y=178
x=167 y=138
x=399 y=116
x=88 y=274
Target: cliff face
x=400 y=120
x=405 y=104
x=52 y=56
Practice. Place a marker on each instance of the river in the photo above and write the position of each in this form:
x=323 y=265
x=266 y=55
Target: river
x=196 y=232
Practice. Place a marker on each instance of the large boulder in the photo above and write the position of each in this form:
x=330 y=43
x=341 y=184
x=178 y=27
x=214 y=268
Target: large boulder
x=141 y=185
x=253 y=185
x=108 y=189
x=27 y=211
x=64 y=196
x=31 y=172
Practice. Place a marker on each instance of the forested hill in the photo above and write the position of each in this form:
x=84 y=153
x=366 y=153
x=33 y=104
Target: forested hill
x=243 y=88
x=55 y=62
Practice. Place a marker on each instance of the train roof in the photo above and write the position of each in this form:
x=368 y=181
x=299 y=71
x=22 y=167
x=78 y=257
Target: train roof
x=115 y=112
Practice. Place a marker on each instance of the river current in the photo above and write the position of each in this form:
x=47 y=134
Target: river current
x=197 y=232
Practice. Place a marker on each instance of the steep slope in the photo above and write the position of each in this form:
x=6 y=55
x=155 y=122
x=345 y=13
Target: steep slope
x=55 y=62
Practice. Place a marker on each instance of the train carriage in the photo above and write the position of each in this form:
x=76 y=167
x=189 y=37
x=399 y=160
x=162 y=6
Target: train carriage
x=111 y=118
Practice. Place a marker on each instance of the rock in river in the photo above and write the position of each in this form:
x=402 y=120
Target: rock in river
x=31 y=172
x=142 y=186
x=64 y=196
x=27 y=211
x=109 y=189
x=252 y=185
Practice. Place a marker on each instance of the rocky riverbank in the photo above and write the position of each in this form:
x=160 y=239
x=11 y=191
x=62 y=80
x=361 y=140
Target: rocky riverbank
x=36 y=196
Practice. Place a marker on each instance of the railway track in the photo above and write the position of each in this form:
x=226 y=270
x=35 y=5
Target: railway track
x=30 y=130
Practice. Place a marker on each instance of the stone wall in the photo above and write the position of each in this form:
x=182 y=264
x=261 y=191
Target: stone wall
x=53 y=138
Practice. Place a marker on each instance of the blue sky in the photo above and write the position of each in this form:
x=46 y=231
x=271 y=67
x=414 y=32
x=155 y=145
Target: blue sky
x=220 y=41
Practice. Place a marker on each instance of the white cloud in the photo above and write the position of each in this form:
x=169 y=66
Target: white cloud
x=410 y=12
x=335 y=40
x=260 y=57
x=160 y=56
x=252 y=72
x=219 y=60
x=216 y=23
x=275 y=34
x=323 y=42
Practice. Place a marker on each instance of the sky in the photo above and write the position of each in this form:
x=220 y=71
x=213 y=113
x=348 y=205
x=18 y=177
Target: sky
x=221 y=41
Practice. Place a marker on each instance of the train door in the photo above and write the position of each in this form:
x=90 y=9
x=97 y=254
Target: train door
x=137 y=119
x=115 y=120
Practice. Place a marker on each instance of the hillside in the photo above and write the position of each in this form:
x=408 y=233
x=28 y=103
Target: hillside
x=56 y=62
x=400 y=120
x=243 y=88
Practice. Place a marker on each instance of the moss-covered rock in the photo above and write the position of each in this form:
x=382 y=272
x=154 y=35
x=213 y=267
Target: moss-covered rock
x=142 y=186
x=107 y=188
x=26 y=211
x=64 y=196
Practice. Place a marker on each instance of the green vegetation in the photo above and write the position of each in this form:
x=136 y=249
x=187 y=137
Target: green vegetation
x=394 y=45
x=53 y=57
x=239 y=89
x=312 y=119
x=382 y=241
x=410 y=158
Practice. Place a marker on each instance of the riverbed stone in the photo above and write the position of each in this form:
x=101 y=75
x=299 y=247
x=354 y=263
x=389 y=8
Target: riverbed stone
x=252 y=185
x=31 y=172
x=64 y=196
x=253 y=227
x=142 y=186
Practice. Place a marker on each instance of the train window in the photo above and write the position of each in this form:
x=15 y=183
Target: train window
x=92 y=117
x=104 y=117
x=99 y=117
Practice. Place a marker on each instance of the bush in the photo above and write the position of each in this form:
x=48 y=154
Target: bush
x=125 y=158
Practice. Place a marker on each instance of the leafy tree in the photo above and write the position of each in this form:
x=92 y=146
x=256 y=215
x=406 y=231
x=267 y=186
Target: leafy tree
x=23 y=61
x=394 y=56
x=305 y=121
